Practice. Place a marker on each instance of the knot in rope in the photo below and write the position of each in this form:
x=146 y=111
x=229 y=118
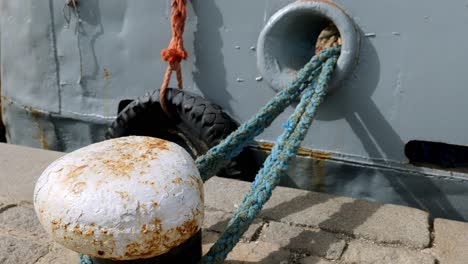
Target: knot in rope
x=175 y=52
x=173 y=55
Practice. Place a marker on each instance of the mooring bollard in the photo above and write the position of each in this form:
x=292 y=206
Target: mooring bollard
x=125 y=200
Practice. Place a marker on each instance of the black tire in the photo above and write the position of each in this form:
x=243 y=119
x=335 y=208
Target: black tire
x=195 y=124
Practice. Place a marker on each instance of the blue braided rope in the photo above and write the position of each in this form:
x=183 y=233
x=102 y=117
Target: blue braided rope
x=85 y=259
x=210 y=163
x=274 y=167
x=312 y=80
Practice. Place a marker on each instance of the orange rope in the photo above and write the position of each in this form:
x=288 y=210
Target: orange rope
x=175 y=52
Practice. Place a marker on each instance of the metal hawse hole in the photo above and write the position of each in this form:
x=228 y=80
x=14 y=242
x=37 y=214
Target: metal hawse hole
x=296 y=32
x=437 y=155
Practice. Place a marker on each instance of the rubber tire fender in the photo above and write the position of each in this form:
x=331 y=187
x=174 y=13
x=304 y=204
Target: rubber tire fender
x=195 y=123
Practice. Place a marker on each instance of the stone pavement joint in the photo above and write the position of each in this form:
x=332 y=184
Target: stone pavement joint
x=217 y=221
x=364 y=252
x=255 y=252
x=4 y=207
x=21 y=219
x=312 y=241
x=20 y=251
x=315 y=260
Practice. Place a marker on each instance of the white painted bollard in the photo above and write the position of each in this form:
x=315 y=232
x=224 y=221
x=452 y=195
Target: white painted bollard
x=123 y=199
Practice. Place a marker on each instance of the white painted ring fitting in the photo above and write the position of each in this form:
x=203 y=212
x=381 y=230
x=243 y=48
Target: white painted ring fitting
x=287 y=42
x=122 y=199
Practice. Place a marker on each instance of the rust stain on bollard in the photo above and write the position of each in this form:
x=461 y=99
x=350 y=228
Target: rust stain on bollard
x=152 y=239
x=78 y=187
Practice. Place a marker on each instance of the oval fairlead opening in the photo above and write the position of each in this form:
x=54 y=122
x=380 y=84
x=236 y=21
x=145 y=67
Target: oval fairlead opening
x=288 y=41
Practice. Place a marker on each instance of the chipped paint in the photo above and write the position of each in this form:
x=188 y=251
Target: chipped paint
x=123 y=195
x=78 y=187
x=122 y=199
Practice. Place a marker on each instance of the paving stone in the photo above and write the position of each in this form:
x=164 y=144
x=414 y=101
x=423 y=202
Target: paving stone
x=451 y=241
x=19 y=251
x=209 y=237
x=218 y=220
x=368 y=253
x=313 y=241
x=374 y=221
x=59 y=255
x=255 y=252
x=22 y=219
x=224 y=197
x=384 y=223
x=315 y=260
x=21 y=166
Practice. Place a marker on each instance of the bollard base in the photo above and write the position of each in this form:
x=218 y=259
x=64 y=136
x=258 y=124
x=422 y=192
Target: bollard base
x=188 y=253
